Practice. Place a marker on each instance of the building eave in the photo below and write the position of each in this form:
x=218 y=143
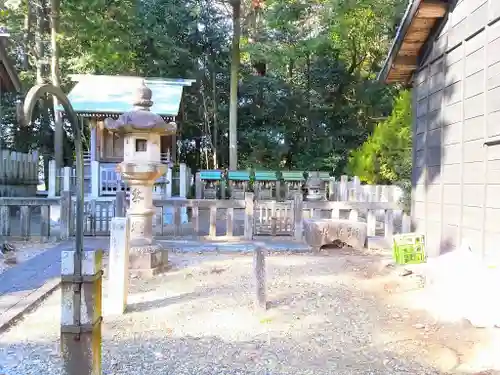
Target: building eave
x=419 y=20
x=100 y=96
x=113 y=115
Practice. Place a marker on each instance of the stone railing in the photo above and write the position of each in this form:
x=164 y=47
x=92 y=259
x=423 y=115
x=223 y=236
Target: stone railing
x=267 y=186
x=286 y=218
x=207 y=218
x=27 y=218
x=195 y=218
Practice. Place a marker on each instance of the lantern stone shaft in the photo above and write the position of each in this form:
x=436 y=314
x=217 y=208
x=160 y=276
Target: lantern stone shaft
x=141 y=131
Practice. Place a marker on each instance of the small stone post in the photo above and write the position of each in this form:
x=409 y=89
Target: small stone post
x=81 y=338
x=118 y=266
x=259 y=269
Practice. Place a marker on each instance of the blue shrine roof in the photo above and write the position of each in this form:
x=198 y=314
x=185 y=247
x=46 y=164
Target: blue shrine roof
x=100 y=95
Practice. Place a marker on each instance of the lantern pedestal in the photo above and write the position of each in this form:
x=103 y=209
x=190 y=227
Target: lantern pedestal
x=146 y=257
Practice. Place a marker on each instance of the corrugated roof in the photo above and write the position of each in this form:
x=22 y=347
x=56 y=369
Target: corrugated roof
x=95 y=95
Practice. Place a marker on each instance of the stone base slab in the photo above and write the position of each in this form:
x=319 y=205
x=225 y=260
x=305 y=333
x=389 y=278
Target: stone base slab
x=147 y=261
x=319 y=232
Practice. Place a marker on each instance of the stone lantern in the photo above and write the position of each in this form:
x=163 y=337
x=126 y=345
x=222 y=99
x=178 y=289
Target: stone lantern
x=141 y=131
x=313 y=186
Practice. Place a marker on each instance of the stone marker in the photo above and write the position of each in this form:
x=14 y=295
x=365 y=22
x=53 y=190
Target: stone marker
x=118 y=275
x=259 y=268
x=319 y=232
x=81 y=340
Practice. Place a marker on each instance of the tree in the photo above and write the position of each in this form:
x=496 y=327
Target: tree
x=386 y=156
x=233 y=102
x=301 y=90
x=56 y=81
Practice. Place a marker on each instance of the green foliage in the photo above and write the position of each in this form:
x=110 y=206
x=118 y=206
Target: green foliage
x=385 y=157
x=317 y=102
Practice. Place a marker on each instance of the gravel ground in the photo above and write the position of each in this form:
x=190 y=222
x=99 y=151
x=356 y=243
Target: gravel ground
x=338 y=313
x=25 y=251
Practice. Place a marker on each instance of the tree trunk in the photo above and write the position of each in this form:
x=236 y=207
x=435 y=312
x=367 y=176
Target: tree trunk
x=215 y=109
x=28 y=18
x=56 y=81
x=40 y=79
x=309 y=129
x=40 y=47
x=233 y=96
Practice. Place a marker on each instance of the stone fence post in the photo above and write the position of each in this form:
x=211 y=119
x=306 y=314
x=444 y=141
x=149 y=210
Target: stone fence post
x=44 y=223
x=332 y=193
x=249 y=211
x=298 y=207
x=183 y=180
x=5 y=224
x=53 y=179
x=66 y=216
x=198 y=186
x=120 y=204
x=344 y=188
x=25 y=221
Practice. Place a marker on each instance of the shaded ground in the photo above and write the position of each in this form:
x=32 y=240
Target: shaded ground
x=341 y=313
x=24 y=252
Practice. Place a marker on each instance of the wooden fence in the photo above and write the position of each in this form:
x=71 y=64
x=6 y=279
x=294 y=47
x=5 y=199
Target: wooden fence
x=18 y=173
x=206 y=218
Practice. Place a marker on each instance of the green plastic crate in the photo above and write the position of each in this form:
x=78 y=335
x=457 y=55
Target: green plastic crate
x=409 y=248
